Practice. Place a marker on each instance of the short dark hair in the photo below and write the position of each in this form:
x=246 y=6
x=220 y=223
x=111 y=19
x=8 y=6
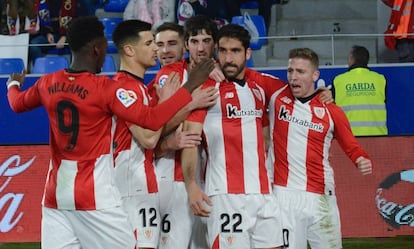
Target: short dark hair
x=196 y=24
x=171 y=26
x=305 y=53
x=235 y=31
x=128 y=31
x=360 y=55
x=83 y=30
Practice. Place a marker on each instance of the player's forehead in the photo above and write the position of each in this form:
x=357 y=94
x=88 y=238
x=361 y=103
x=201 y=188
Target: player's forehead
x=167 y=35
x=200 y=35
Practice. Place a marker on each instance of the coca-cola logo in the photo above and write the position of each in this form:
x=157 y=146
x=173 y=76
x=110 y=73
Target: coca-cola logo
x=396 y=214
x=10 y=202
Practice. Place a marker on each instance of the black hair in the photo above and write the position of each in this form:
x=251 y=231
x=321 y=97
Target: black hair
x=83 y=30
x=196 y=24
x=235 y=31
x=128 y=31
x=360 y=55
x=171 y=26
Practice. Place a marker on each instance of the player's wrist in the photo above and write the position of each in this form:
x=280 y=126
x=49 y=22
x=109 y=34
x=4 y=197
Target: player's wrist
x=13 y=83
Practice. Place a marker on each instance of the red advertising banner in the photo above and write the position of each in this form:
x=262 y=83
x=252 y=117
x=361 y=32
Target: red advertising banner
x=23 y=172
x=377 y=205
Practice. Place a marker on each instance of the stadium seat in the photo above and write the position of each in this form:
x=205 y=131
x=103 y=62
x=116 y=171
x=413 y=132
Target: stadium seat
x=11 y=65
x=258 y=21
x=115 y=5
x=44 y=65
x=110 y=24
x=109 y=64
x=249 y=62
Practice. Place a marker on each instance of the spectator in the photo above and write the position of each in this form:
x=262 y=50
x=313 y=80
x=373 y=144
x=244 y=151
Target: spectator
x=81 y=205
x=154 y=11
x=302 y=131
x=19 y=16
x=401 y=25
x=361 y=93
x=216 y=10
x=55 y=16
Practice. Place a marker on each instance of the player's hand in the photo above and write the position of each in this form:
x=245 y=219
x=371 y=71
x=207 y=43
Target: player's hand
x=325 y=95
x=198 y=200
x=199 y=74
x=203 y=98
x=183 y=139
x=16 y=79
x=170 y=86
x=61 y=42
x=217 y=74
x=364 y=165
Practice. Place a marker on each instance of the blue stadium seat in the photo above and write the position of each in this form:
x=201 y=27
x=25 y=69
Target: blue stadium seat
x=115 y=5
x=51 y=64
x=250 y=62
x=109 y=64
x=11 y=65
x=110 y=24
x=259 y=22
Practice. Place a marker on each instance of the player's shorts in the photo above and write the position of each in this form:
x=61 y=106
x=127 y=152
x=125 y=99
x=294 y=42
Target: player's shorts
x=76 y=229
x=244 y=221
x=144 y=215
x=309 y=217
x=199 y=234
x=176 y=215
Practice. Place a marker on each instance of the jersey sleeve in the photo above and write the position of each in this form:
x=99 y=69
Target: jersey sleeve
x=21 y=101
x=123 y=102
x=343 y=133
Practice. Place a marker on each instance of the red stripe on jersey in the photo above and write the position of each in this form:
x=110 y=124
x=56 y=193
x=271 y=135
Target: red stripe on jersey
x=234 y=140
x=280 y=140
x=150 y=171
x=264 y=180
x=216 y=243
x=50 y=187
x=84 y=186
x=178 y=171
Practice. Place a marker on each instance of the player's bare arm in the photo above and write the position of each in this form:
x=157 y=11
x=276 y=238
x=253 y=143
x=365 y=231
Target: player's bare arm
x=198 y=200
x=199 y=74
x=178 y=140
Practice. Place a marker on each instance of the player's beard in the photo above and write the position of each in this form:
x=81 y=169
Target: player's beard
x=234 y=73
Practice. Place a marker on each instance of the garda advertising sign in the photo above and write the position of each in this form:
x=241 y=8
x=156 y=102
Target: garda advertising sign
x=377 y=205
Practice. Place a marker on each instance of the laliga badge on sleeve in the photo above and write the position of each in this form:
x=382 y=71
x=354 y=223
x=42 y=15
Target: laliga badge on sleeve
x=126 y=97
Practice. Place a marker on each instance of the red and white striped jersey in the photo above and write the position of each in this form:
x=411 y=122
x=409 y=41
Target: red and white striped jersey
x=80 y=107
x=301 y=138
x=134 y=167
x=168 y=167
x=233 y=134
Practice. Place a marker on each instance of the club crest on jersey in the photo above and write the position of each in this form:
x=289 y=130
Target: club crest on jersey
x=162 y=79
x=126 y=97
x=257 y=93
x=286 y=100
x=148 y=234
x=229 y=95
x=319 y=112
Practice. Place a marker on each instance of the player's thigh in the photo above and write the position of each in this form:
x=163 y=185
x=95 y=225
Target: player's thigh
x=176 y=220
x=144 y=215
x=267 y=230
x=325 y=232
x=228 y=223
x=57 y=231
x=295 y=209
